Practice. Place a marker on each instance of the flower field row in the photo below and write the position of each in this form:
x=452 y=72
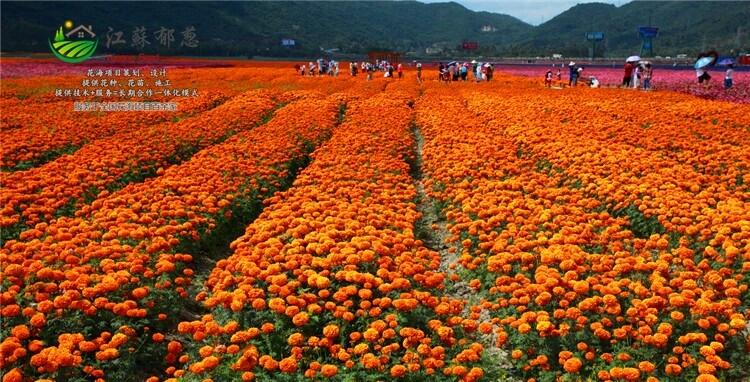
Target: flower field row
x=582 y=283
x=678 y=80
x=61 y=186
x=131 y=154
x=330 y=281
x=334 y=228
x=95 y=294
x=35 y=135
x=669 y=171
x=42 y=127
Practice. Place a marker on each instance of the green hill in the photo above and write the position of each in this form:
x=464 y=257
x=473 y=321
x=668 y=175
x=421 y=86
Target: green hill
x=684 y=27
x=256 y=28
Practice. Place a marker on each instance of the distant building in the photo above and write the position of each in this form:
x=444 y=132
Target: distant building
x=488 y=28
x=432 y=50
x=469 y=45
x=288 y=42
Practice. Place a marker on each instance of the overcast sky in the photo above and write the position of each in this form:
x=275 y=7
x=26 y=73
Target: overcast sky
x=533 y=12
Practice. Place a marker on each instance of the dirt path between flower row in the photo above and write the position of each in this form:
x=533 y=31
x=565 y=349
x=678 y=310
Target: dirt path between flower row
x=432 y=229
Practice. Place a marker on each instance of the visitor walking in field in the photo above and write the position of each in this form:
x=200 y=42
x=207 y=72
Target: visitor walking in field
x=464 y=71
x=445 y=73
x=333 y=68
x=702 y=75
x=572 y=74
x=647 y=73
x=419 y=72
x=400 y=71
x=628 y=74
x=728 y=76
x=548 y=78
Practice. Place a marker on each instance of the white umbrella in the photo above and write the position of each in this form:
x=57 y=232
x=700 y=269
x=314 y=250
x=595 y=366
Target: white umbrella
x=633 y=59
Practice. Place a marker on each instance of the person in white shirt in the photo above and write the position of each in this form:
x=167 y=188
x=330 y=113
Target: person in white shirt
x=593 y=82
x=728 y=76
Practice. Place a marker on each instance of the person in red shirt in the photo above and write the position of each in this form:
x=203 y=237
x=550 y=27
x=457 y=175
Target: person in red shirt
x=628 y=74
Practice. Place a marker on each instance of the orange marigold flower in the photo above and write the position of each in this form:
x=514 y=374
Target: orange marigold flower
x=398 y=371
x=573 y=365
x=288 y=365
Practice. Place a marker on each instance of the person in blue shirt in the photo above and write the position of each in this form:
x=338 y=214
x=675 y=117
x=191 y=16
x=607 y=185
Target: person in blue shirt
x=573 y=74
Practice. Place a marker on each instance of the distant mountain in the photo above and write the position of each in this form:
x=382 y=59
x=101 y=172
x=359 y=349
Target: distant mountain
x=257 y=28
x=684 y=27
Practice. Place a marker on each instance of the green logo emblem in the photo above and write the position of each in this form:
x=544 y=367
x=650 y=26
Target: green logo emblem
x=75 y=46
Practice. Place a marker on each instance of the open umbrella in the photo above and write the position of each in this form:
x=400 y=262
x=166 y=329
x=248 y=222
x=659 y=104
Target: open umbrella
x=706 y=59
x=725 y=62
x=633 y=59
x=703 y=62
x=452 y=63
